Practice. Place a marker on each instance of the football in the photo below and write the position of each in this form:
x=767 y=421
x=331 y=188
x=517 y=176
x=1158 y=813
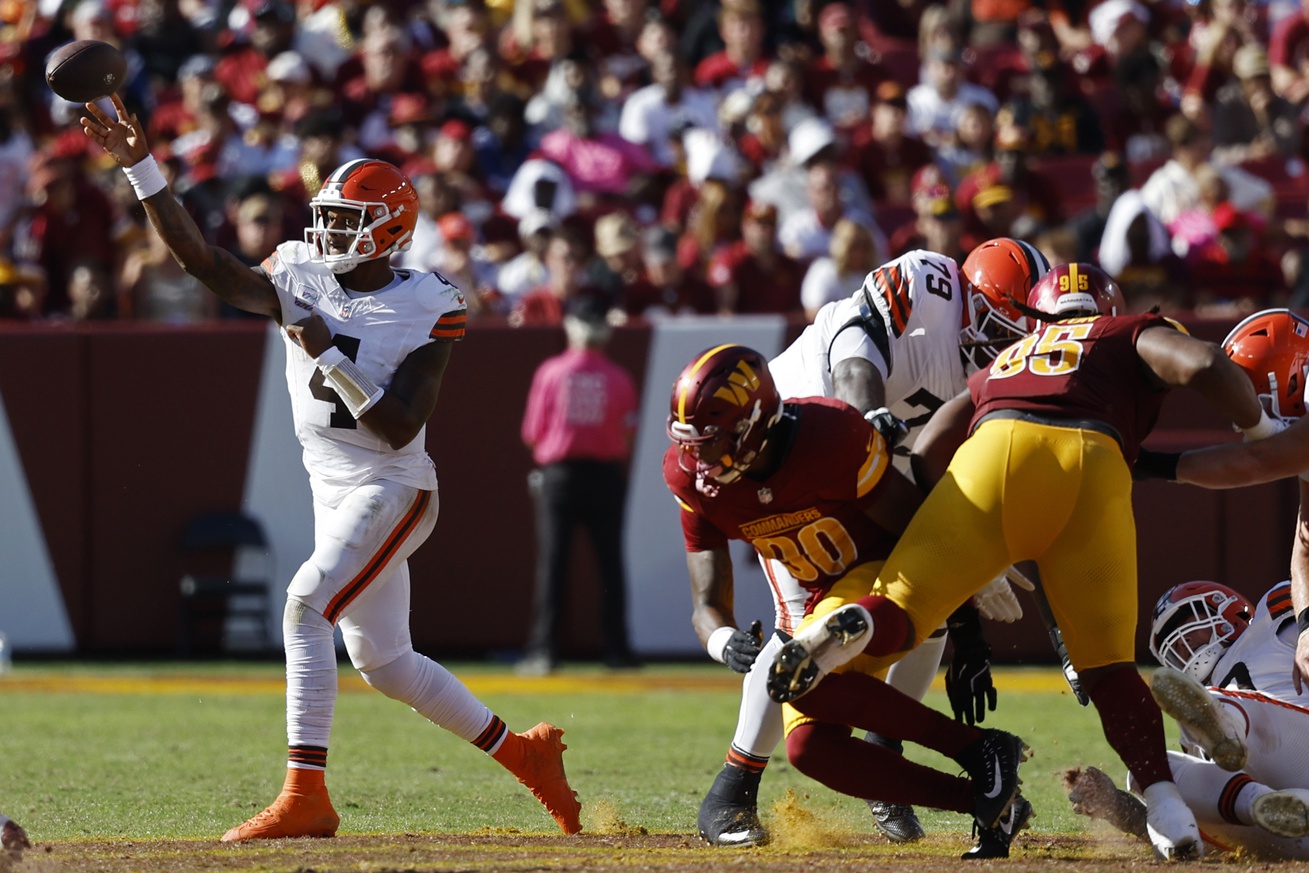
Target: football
x=85 y=70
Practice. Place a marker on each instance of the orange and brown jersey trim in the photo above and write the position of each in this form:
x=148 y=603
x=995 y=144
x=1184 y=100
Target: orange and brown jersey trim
x=1227 y=799
x=891 y=284
x=307 y=757
x=378 y=562
x=1279 y=601
x=487 y=739
x=450 y=326
x=745 y=761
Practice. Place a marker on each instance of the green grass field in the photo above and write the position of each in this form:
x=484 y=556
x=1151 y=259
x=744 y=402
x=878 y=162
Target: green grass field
x=184 y=751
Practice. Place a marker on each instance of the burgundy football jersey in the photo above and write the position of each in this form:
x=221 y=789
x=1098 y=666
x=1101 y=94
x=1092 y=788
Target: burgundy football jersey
x=809 y=513
x=1080 y=368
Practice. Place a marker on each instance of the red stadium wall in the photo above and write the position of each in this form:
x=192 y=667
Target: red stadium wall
x=124 y=432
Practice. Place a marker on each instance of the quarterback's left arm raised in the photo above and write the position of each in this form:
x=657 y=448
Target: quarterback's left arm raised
x=219 y=270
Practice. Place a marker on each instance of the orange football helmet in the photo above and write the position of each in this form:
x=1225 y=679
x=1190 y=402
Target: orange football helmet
x=995 y=274
x=388 y=213
x=1272 y=347
x=1220 y=613
x=1077 y=289
x=724 y=403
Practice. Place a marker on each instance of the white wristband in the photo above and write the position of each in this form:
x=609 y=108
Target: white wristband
x=358 y=392
x=716 y=645
x=1264 y=427
x=146 y=177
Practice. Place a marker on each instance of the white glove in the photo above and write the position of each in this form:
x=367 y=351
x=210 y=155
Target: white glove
x=997 y=600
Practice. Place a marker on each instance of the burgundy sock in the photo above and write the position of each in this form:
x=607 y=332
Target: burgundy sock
x=828 y=754
x=867 y=703
x=1132 y=723
x=891 y=627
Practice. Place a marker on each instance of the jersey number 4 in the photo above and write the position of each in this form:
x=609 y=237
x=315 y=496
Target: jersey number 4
x=341 y=417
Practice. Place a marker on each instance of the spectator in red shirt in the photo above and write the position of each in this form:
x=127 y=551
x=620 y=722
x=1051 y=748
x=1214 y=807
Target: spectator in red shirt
x=386 y=65
x=753 y=276
x=666 y=287
x=579 y=423
x=884 y=153
x=742 y=60
x=841 y=83
x=565 y=260
x=178 y=108
x=935 y=226
x=1288 y=52
x=73 y=221
x=241 y=72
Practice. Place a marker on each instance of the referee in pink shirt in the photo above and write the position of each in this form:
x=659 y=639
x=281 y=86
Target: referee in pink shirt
x=579 y=422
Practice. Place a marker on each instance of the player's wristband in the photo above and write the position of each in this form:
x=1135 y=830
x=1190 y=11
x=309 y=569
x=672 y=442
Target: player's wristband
x=1302 y=621
x=716 y=645
x=356 y=390
x=1264 y=427
x=146 y=177
x=1156 y=465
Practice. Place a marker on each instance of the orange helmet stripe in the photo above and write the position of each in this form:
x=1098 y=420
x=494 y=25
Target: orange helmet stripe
x=685 y=386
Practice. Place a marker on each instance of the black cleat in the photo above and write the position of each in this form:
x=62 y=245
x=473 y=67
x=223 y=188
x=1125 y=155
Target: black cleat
x=897 y=821
x=992 y=763
x=728 y=814
x=994 y=842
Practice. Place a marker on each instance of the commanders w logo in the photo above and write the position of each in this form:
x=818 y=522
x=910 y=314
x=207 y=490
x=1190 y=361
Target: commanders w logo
x=739 y=385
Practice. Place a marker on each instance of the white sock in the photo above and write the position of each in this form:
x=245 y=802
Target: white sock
x=434 y=692
x=310 y=675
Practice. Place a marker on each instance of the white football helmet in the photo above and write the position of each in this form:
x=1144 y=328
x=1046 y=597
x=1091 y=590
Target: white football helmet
x=1193 y=625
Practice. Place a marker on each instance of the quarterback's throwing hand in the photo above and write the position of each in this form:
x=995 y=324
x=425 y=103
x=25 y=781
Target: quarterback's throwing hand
x=121 y=137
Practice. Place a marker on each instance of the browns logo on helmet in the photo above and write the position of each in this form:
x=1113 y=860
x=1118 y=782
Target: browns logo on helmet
x=1272 y=347
x=386 y=203
x=724 y=402
x=995 y=275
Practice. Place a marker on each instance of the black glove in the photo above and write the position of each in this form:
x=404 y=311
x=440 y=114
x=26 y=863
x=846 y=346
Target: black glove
x=968 y=683
x=1156 y=465
x=892 y=429
x=968 y=678
x=743 y=647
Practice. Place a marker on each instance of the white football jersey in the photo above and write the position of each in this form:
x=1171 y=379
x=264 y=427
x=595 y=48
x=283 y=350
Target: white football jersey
x=915 y=305
x=1260 y=659
x=377 y=331
x=913 y=308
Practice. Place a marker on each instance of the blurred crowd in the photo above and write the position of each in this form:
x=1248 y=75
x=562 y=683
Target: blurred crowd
x=728 y=156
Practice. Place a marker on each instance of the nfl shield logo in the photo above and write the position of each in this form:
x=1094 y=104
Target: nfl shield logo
x=765 y=495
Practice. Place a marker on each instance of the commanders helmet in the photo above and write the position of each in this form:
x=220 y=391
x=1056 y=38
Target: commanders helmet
x=388 y=212
x=723 y=404
x=1272 y=347
x=1077 y=289
x=1193 y=625
x=995 y=275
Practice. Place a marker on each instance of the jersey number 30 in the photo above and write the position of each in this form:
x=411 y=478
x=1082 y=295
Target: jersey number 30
x=341 y=417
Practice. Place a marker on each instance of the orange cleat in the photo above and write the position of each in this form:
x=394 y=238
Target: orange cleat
x=536 y=757
x=303 y=809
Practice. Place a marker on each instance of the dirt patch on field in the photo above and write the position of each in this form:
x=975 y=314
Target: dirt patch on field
x=797 y=849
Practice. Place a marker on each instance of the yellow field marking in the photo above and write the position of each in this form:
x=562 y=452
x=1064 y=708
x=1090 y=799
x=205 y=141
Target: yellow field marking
x=1027 y=680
